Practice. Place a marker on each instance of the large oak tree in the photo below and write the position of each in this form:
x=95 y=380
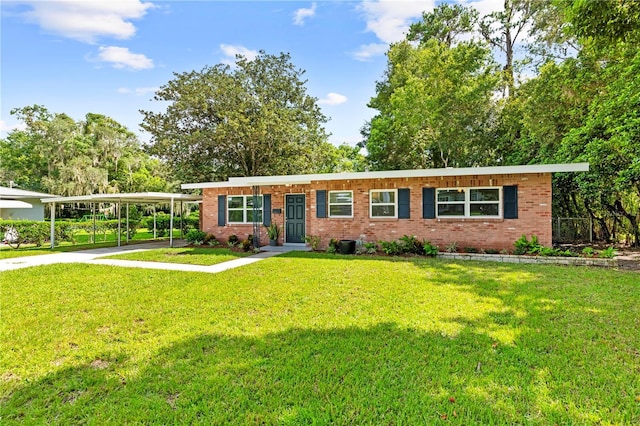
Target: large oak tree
x=253 y=118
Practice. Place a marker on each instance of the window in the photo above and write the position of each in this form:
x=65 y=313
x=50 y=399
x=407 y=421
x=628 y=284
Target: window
x=340 y=203
x=468 y=202
x=240 y=208
x=382 y=203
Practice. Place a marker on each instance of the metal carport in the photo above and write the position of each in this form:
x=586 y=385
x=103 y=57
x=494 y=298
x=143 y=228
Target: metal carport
x=119 y=199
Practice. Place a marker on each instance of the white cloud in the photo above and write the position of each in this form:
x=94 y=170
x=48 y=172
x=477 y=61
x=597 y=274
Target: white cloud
x=389 y=20
x=138 y=91
x=368 y=51
x=484 y=7
x=301 y=14
x=230 y=52
x=121 y=57
x=6 y=128
x=333 y=99
x=87 y=20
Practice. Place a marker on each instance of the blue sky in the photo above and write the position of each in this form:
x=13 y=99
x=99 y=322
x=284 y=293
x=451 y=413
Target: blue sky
x=109 y=57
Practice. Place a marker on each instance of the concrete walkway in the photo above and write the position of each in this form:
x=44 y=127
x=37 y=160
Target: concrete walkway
x=93 y=256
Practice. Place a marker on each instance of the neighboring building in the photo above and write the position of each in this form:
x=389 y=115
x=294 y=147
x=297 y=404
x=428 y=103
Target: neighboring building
x=481 y=207
x=18 y=204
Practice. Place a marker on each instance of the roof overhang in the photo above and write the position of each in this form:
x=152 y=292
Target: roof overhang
x=131 y=198
x=14 y=204
x=390 y=174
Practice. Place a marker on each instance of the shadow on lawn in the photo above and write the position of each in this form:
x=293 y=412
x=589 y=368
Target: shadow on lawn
x=379 y=375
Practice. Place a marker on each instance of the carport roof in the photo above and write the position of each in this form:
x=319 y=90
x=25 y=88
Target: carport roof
x=132 y=198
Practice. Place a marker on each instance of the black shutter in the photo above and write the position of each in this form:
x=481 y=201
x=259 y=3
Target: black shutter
x=510 y=202
x=321 y=203
x=222 y=209
x=428 y=203
x=404 y=208
x=266 y=209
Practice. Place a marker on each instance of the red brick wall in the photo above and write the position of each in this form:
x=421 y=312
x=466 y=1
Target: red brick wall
x=534 y=212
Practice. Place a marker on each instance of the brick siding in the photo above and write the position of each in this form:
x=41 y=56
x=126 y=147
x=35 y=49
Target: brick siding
x=534 y=212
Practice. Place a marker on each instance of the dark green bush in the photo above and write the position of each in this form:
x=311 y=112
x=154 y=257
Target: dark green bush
x=391 y=248
x=411 y=244
x=430 y=249
x=524 y=246
x=195 y=237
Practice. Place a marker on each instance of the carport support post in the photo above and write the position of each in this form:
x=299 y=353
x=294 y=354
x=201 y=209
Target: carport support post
x=181 y=221
x=171 y=225
x=127 y=227
x=93 y=214
x=53 y=224
x=154 y=222
x=119 y=221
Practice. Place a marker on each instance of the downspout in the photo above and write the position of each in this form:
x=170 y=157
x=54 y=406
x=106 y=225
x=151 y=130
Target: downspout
x=256 y=222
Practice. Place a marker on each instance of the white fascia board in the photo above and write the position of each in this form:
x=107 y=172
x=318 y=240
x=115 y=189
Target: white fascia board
x=137 y=197
x=14 y=204
x=390 y=174
x=208 y=185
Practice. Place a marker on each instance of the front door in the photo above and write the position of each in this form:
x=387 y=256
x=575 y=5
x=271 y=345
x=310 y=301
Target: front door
x=295 y=207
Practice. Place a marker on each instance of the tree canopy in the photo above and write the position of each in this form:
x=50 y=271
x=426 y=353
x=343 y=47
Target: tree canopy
x=439 y=104
x=56 y=154
x=253 y=118
x=435 y=102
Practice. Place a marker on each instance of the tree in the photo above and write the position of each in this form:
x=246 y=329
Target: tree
x=445 y=24
x=56 y=154
x=435 y=107
x=502 y=31
x=253 y=119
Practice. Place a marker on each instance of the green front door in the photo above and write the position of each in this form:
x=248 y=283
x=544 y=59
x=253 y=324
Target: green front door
x=295 y=207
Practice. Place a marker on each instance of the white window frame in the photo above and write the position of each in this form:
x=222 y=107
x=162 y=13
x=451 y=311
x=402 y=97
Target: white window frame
x=394 y=204
x=468 y=203
x=329 y=204
x=244 y=209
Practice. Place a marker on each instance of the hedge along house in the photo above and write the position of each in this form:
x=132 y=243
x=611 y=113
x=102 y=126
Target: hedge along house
x=481 y=207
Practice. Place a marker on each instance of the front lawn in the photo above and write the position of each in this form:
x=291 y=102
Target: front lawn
x=308 y=338
x=190 y=255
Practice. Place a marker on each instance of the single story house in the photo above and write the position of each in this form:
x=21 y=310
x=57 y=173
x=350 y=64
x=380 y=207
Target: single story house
x=18 y=204
x=481 y=207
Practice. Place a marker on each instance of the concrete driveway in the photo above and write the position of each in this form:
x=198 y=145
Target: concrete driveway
x=93 y=256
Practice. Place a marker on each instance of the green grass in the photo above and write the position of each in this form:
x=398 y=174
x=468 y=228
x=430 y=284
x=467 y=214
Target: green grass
x=304 y=338
x=194 y=256
x=9 y=253
x=82 y=242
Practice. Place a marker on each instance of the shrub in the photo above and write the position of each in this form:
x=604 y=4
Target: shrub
x=607 y=253
x=210 y=240
x=430 y=249
x=233 y=240
x=313 y=241
x=391 y=248
x=371 y=248
x=491 y=251
x=452 y=247
x=524 y=246
x=411 y=244
x=195 y=237
x=18 y=232
x=333 y=246
x=470 y=250
x=588 y=252
x=247 y=245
